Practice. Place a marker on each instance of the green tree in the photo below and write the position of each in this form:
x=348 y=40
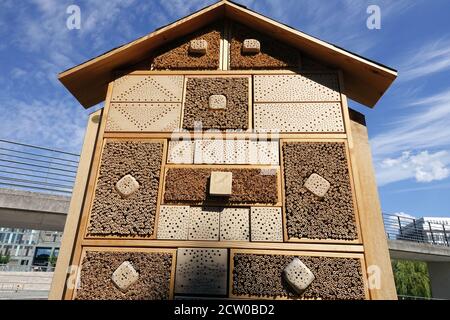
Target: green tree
x=52 y=260
x=411 y=278
x=4 y=259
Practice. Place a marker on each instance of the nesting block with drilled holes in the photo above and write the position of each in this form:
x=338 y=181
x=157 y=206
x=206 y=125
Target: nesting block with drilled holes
x=234 y=224
x=221 y=183
x=124 y=276
x=198 y=46
x=201 y=271
x=266 y=224
x=181 y=152
x=317 y=185
x=204 y=223
x=217 y=102
x=251 y=46
x=298 y=275
x=127 y=186
x=173 y=223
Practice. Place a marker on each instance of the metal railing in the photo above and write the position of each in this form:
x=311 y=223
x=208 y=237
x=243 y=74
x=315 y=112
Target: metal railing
x=34 y=168
x=417 y=230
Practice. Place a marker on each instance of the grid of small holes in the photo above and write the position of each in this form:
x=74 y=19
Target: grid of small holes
x=173 y=222
x=201 y=271
x=181 y=152
x=266 y=224
x=296 y=88
x=144 y=117
x=298 y=274
x=148 y=89
x=204 y=223
x=236 y=152
x=299 y=117
x=317 y=184
x=234 y=224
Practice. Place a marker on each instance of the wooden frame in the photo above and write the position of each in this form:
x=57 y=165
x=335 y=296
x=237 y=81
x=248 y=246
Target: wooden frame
x=292 y=253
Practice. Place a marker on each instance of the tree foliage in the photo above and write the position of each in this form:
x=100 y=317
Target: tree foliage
x=4 y=259
x=411 y=278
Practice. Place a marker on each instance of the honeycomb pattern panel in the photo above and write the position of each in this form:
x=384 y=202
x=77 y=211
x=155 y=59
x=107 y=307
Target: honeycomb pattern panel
x=299 y=117
x=204 y=223
x=181 y=152
x=142 y=88
x=157 y=117
x=236 y=152
x=235 y=224
x=201 y=271
x=296 y=88
x=266 y=224
x=173 y=223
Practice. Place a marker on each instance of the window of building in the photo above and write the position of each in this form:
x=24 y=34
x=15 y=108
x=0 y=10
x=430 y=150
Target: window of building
x=41 y=256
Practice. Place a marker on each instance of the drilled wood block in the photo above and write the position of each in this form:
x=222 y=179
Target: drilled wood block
x=181 y=152
x=296 y=88
x=266 y=224
x=234 y=224
x=141 y=88
x=236 y=152
x=201 y=271
x=298 y=275
x=204 y=223
x=220 y=183
x=299 y=117
x=124 y=276
x=173 y=223
x=198 y=46
x=149 y=117
x=317 y=185
x=251 y=46
x=217 y=101
x=127 y=186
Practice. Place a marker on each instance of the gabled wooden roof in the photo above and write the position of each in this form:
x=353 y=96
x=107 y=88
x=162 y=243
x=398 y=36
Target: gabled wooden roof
x=365 y=80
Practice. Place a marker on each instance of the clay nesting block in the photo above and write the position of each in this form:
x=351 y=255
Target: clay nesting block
x=221 y=183
x=173 y=222
x=317 y=185
x=204 y=223
x=127 y=186
x=251 y=46
x=217 y=102
x=234 y=224
x=298 y=275
x=266 y=224
x=124 y=276
x=198 y=46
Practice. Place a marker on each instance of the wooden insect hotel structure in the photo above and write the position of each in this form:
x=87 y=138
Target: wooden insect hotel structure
x=225 y=163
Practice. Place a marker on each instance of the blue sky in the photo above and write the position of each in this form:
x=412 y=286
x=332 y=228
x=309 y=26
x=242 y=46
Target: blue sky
x=409 y=128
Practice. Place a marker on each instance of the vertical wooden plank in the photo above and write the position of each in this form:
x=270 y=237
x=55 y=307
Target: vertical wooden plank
x=73 y=216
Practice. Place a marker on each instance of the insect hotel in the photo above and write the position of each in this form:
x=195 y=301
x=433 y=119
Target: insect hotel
x=225 y=163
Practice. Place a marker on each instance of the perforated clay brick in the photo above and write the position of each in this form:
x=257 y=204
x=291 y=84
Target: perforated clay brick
x=234 y=224
x=204 y=223
x=98 y=267
x=266 y=224
x=298 y=275
x=124 y=276
x=181 y=152
x=173 y=223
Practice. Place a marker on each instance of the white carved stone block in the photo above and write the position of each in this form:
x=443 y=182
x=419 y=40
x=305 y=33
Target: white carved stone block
x=217 y=102
x=198 y=46
x=317 y=185
x=298 y=275
x=251 y=46
x=124 y=276
x=221 y=183
x=127 y=186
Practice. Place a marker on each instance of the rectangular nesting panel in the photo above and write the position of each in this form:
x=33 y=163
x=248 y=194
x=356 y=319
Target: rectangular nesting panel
x=191 y=185
x=201 y=271
x=314 y=87
x=154 y=269
x=234 y=224
x=181 y=152
x=173 y=223
x=309 y=214
x=148 y=117
x=112 y=214
x=259 y=275
x=236 y=152
x=299 y=117
x=197 y=112
x=143 y=88
x=204 y=223
x=266 y=224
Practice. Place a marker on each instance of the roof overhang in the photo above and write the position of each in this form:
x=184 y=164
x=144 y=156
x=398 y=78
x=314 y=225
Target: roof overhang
x=365 y=80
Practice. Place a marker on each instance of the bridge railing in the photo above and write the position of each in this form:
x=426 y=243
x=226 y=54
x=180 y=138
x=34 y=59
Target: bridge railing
x=416 y=230
x=34 y=168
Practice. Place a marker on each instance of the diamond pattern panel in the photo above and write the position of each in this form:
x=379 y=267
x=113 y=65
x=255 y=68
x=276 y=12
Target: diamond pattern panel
x=181 y=152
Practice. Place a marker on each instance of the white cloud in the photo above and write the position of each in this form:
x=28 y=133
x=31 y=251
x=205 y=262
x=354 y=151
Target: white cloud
x=423 y=167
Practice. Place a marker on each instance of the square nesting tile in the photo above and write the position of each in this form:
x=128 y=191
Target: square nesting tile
x=204 y=223
x=173 y=223
x=251 y=46
x=298 y=275
x=199 y=46
x=124 y=276
x=126 y=186
x=317 y=185
x=217 y=102
x=201 y=271
x=221 y=183
x=235 y=224
x=266 y=224
x=180 y=152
